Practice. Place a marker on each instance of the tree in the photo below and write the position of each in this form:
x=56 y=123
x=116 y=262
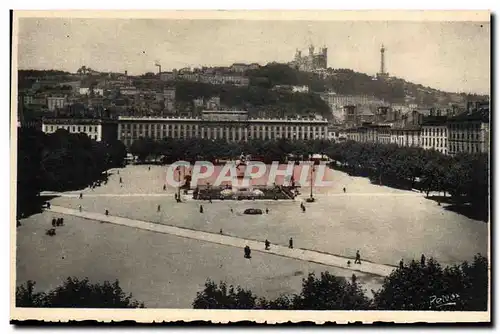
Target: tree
x=416 y=286
x=29 y=178
x=27 y=297
x=223 y=297
x=77 y=293
x=142 y=148
x=329 y=292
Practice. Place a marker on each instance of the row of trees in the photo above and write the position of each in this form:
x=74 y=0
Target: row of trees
x=464 y=176
x=76 y=292
x=194 y=149
x=60 y=161
x=418 y=285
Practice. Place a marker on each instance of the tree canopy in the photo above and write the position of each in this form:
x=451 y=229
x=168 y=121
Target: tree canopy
x=418 y=285
x=74 y=292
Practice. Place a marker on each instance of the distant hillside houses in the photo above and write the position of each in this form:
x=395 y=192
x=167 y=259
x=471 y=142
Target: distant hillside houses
x=214 y=79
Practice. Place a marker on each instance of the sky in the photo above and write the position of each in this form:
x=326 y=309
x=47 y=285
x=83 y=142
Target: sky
x=451 y=56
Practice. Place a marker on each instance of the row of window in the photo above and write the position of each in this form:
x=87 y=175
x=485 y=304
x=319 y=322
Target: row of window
x=434 y=142
x=434 y=132
x=278 y=128
x=73 y=128
x=465 y=147
x=465 y=126
x=468 y=135
x=205 y=133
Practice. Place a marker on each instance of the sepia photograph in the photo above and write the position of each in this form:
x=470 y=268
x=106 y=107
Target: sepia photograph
x=271 y=165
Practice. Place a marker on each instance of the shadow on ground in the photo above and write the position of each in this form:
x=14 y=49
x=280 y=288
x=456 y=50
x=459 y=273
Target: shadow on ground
x=476 y=212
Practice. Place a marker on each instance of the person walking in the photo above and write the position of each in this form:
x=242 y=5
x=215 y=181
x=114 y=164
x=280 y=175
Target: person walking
x=248 y=252
x=164 y=187
x=201 y=208
x=290 y=243
x=358 y=258
x=344 y=190
x=121 y=181
x=220 y=231
x=158 y=208
x=106 y=212
x=80 y=208
x=267 y=210
x=232 y=210
x=268 y=244
x=54 y=221
x=81 y=195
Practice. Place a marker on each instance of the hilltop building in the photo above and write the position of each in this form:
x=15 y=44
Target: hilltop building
x=312 y=61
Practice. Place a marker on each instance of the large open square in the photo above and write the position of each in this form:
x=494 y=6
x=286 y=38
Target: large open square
x=162 y=270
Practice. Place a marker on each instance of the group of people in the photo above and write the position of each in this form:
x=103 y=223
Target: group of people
x=55 y=222
x=267 y=244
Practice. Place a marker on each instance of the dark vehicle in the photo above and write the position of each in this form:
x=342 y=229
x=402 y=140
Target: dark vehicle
x=253 y=212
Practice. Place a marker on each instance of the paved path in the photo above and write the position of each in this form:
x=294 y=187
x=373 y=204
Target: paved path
x=170 y=194
x=256 y=246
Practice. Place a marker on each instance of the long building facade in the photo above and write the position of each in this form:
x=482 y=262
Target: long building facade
x=96 y=129
x=465 y=133
x=158 y=128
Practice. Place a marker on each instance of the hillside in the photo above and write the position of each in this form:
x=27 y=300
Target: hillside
x=255 y=99
x=349 y=82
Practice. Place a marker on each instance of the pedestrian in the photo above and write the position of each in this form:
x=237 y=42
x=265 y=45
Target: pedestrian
x=344 y=190
x=118 y=172
x=201 y=208
x=80 y=208
x=267 y=210
x=401 y=264
x=422 y=260
x=358 y=258
x=164 y=187
x=220 y=231
x=248 y=252
x=121 y=181
x=54 y=222
x=175 y=196
x=159 y=208
x=48 y=205
x=210 y=200
x=106 y=212
x=149 y=167
x=232 y=210
x=290 y=243
x=348 y=263
x=62 y=222
x=81 y=195
x=267 y=243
